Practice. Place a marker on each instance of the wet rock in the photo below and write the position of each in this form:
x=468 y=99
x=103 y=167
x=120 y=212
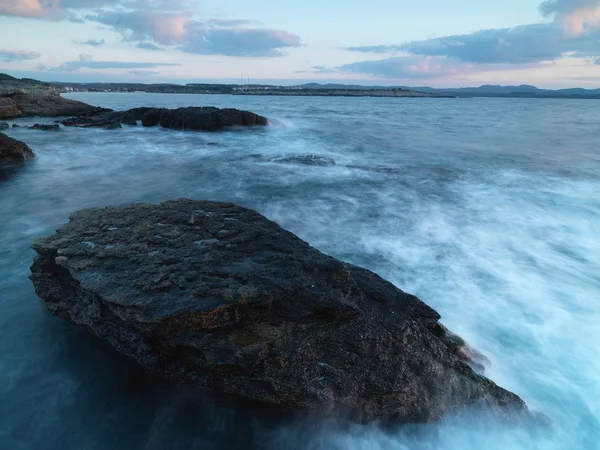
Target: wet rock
x=82 y=122
x=216 y=296
x=4 y=126
x=112 y=126
x=14 y=151
x=192 y=118
x=16 y=126
x=45 y=127
x=309 y=160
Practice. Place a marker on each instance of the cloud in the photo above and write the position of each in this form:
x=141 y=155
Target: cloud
x=408 y=67
x=35 y=9
x=518 y=45
x=148 y=46
x=86 y=61
x=575 y=31
x=575 y=17
x=60 y=9
x=92 y=42
x=49 y=9
x=524 y=44
x=143 y=73
x=252 y=42
x=375 y=48
x=193 y=36
x=164 y=28
x=17 y=56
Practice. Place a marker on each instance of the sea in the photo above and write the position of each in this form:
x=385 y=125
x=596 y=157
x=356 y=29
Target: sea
x=487 y=209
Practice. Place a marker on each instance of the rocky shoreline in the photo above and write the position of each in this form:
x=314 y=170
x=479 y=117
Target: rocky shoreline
x=216 y=296
x=29 y=98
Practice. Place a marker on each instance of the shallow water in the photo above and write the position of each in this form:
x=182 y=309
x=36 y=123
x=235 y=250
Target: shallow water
x=487 y=209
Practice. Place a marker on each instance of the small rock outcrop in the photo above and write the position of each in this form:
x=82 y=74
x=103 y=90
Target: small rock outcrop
x=13 y=151
x=45 y=127
x=192 y=118
x=4 y=126
x=26 y=97
x=216 y=296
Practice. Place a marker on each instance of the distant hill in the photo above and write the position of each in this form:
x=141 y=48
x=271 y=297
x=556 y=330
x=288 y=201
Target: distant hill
x=524 y=90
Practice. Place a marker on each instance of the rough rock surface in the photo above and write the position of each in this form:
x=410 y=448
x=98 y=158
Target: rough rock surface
x=216 y=296
x=192 y=118
x=28 y=97
x=9 y=109
x=13 y=151
x=53 y=105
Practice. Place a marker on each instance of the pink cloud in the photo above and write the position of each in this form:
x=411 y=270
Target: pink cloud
x=575 y=17
x=580 y=21
x=36 y=9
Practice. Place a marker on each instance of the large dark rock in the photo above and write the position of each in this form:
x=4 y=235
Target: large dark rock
x=13 y=151
x=192 y=118
x=216 y=296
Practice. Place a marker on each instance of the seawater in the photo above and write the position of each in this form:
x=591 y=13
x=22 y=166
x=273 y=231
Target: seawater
x=487 y=209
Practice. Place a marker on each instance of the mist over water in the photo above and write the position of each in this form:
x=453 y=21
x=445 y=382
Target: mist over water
x=487 y=209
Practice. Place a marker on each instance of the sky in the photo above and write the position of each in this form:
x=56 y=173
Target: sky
x=440 y=43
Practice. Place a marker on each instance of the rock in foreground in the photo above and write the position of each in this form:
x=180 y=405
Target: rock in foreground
x=206 y=118
x=13 y=151
x=216 y=296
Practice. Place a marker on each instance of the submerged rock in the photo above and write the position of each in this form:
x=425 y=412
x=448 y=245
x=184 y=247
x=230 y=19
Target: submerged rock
x=216 y=296
x=309 y=160
x=4 y=126
x=192 y=118
x=13 y=151
x=45 y=127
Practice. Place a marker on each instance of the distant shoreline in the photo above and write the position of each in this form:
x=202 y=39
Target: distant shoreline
x=117 y=88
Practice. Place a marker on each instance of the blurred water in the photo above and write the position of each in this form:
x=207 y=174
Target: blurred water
x=487 y=209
